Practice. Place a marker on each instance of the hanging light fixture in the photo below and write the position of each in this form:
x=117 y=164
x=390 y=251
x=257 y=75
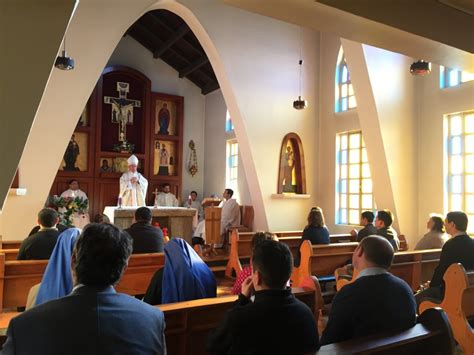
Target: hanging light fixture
x=300 y=104
x=420 y=68
x=64 y=62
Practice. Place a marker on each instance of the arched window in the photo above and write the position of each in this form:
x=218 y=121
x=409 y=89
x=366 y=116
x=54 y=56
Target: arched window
x=291 y=177
x=345 y=98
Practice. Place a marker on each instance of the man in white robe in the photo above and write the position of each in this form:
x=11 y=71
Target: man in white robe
x=79 y=220
x=133 y=185
x=166 y=198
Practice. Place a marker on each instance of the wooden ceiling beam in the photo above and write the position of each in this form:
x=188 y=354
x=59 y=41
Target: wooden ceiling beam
x=193 y=67
x=214 y=85
x=175 y=37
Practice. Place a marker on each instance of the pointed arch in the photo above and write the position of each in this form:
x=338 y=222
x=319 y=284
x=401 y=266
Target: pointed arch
x=292 y=175
x=344 y=94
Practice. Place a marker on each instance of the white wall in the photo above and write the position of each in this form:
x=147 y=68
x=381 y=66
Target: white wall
x=165 y=79
x=215 y=151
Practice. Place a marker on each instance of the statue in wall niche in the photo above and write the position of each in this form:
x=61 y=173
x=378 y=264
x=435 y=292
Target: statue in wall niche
x=291 y=177
x=289 y=181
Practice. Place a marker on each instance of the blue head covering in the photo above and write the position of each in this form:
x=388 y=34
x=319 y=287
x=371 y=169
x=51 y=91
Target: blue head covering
x=186 y=277
x=57 y=278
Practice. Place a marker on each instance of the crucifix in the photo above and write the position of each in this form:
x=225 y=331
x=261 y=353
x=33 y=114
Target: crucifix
x=122 y=109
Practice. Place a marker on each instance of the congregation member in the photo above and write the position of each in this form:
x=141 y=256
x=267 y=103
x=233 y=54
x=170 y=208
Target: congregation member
x=146 y=238
x=185 y=276
x=166 y=198
x=375 y=302
x=247 y=270
x=133 y=185
x=57 y=278
x=366 y=221
x=93 y=319
x=458 y=249
x=193 y=202
x=101 y=218
x=383 y=223
x=275 y=322
x=40 y=245
x=61 y=228
x=436 y=237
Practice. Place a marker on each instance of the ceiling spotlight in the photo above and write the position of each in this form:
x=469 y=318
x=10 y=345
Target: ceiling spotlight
x=420 y=68
x=64 y=62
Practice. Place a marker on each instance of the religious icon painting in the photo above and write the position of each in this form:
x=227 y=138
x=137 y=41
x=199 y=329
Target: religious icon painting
x=120 y=165
x=106 y=165
x=165 y=117
x=84 y=118
x=164 y=158
x=75 y=156
x=291 y=177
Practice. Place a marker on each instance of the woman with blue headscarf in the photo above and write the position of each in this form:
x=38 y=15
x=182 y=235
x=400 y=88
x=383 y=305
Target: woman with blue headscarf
x=57 y=279
x=185 y=276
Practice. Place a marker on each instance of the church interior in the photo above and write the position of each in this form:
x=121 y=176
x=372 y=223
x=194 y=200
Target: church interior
x=205 y=94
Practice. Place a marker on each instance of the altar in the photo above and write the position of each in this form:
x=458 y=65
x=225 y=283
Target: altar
x=178 y=220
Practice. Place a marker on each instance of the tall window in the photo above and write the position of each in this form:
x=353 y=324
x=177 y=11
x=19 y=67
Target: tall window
x=353 y=180
x=459 y=164
x=229 y=127
x=451 y=77
x=232 y=156
x=345 y=98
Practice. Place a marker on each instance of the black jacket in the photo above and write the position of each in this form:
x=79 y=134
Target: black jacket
x=370 y=305
x=459 y=249
x=389 y=234
x=146 y=238
x=369 y=229
x=38 y=246
x=275 y=323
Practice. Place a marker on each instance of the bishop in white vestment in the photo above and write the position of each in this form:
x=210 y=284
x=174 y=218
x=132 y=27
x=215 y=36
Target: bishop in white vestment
x=133 y=185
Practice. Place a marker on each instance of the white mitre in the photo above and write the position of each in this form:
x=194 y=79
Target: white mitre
x=133 y=160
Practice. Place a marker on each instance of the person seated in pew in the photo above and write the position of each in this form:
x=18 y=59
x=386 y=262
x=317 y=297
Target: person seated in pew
x=40 y=245
x=275 y=322
x=458 y=249
x=93 y=319
x=247 y=270
x=61 y=228
x=101 y=218
x=316 y=231
x=436 y=237
x=57 y=278
x=185 y=276
x=383 y=223
x=366 y=221
x=376 y=302
x=146 y=238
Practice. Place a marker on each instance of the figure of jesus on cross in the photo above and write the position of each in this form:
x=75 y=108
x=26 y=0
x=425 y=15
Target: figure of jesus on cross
x=122 y=109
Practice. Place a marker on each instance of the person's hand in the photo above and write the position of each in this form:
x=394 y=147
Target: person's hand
x=354 y=233
x=247 y=287
x=133 y=180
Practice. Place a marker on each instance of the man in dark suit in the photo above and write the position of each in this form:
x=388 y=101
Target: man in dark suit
x=383 y=223
x=375 y=302
x=146 y=238
x=366 y=220
x=275 y=322
x=93 y=319
x=458 y=249
x=40 y=245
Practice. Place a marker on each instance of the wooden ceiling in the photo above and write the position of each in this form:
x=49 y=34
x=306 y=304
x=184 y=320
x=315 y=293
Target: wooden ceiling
x=169 y=38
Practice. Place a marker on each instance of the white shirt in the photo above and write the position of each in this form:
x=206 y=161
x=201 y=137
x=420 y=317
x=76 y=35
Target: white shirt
x=74 y=194
x=230 y=216
x=166 y=200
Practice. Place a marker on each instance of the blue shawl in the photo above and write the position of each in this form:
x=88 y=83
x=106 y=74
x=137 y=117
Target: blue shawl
x=186 y=276
x=57 y=278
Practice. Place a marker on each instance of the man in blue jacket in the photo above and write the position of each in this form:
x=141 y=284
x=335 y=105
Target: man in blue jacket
x=93 y=319
x=375 y=302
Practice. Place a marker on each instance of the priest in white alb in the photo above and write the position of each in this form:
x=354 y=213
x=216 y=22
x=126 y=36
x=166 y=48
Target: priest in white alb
x=79 y=219
x=166 y=198
x=133 y=185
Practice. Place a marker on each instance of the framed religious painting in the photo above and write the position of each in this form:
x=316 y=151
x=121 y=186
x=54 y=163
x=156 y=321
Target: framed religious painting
x=76 y=155
x=164 y=153
x=167 y=114
x=291 y=176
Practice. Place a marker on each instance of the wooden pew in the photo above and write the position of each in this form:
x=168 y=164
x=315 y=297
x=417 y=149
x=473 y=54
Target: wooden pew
x=414 y=267
x=321 y=260
x=403 y=242
x=458 y=303
x=431 y=335
x=17 y=277
x=10 y=254
x=11 y=244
